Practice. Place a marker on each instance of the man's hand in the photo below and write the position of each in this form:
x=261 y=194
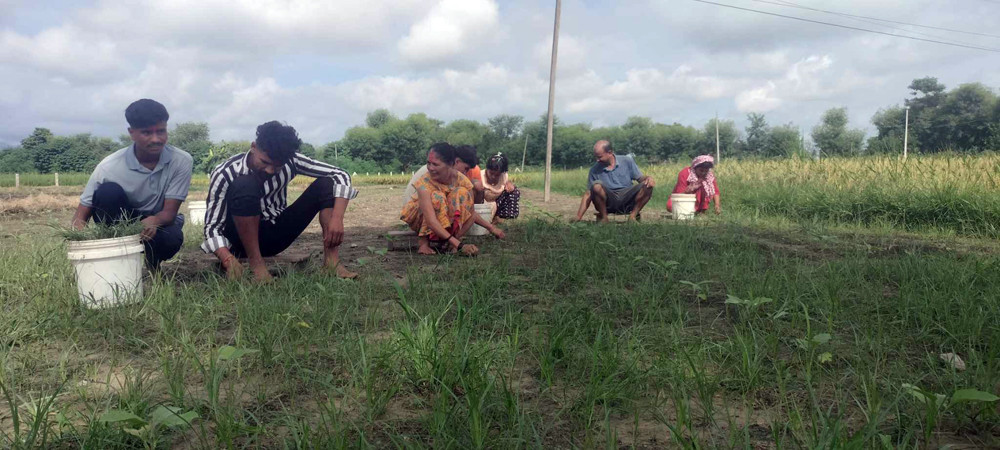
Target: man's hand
x=234 y=270
x=149 y=227
x=648 y=182
x=77 y=224
x=334 y=234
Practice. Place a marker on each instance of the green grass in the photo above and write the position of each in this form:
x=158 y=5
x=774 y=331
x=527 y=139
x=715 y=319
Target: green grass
x=99 y=231
x=947 y=193
x=956 y=194
x=563 y=336
x=44 y=179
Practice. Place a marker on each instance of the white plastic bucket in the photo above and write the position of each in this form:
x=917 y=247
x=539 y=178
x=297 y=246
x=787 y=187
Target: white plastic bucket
x=683 y=206
x=485 y=211
x=196 y=212
x=108 y=271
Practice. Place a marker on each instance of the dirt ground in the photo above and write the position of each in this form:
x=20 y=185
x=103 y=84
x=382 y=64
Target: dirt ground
x=369 y=218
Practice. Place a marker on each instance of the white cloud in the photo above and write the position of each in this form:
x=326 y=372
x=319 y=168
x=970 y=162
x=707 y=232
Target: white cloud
x=571 y=57
x=643 y=89
x=321 y=65
x=451 y=28
x=67 y=51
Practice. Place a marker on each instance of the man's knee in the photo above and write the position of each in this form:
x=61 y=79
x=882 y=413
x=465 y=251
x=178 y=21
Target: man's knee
x=164 y=245
x=320 y=191
x=109 y=192
x=322 y=184
x=598 y=190
x=244 y=194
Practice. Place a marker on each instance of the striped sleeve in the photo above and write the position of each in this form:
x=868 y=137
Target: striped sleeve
x=341 y=179
x=215 y=215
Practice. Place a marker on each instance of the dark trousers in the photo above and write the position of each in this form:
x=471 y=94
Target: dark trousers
x=111 y=206
x=244 y=200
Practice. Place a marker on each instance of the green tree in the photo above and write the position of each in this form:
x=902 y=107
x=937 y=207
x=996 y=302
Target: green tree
x=832 y=136
x=758 y=135
x=676 y=141
x=16 y=160
x=379 y=118
x=360 y=143
x=192 y=137
x=927 y=94
x=37 y=139
x=536 y=135
x=572 y=145
x=464 y=132
x=637 y=137
x=964 y=120
x=404 y=142
x=503 y=135
x=307 y=150
x=221 y=152
x=729 y=139
x=784 y=140
x=890 y=123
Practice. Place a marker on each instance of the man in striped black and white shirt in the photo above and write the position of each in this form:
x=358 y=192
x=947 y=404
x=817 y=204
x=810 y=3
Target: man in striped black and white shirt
x=248 y=214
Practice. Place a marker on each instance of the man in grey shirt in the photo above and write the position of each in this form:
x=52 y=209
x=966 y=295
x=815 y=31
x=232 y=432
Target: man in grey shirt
x=610 y=188
x=146 y=181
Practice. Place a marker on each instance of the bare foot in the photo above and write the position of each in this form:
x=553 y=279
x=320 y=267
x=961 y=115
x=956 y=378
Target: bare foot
x=425 y=249
x=260 y=273
x=341 y=271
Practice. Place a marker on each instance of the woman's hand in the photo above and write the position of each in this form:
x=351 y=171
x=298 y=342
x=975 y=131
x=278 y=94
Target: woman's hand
x=496 y=231
x=693 y=187
x=509 y=187
x=718 y=209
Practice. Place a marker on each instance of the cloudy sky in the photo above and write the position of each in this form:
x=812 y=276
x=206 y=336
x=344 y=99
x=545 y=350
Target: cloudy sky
x=73 y=65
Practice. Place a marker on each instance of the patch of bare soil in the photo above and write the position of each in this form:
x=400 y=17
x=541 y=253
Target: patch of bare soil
x=17 y=203
x=369 y=219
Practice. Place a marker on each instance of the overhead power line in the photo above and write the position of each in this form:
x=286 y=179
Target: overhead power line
x=883 y=23
x=974 y=47
x=809 y=8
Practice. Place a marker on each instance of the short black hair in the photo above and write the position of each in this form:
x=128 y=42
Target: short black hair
x=279 y=141
x=468 y=154
x=497 y=162
x=445 y=152
x=145 y=113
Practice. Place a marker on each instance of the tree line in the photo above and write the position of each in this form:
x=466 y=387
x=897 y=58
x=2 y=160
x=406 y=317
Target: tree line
x=964 y=119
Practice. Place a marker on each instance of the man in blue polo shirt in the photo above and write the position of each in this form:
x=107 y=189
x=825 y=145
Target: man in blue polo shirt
x=610 y=188
x=145 y=181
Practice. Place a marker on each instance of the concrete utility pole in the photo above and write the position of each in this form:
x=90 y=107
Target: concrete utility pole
x=717 y=154
x=552 y=99
x=524 y=154
x=906 y=132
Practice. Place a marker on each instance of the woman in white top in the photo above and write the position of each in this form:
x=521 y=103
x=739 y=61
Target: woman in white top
x=500 y=189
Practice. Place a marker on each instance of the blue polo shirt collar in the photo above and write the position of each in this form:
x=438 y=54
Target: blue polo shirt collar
x=133 y=163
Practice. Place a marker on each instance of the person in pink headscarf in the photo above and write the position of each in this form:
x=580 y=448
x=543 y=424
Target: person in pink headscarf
x=698 y=179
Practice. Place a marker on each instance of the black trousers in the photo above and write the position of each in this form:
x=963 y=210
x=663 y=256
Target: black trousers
x=244 y=200
x=111 y=206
